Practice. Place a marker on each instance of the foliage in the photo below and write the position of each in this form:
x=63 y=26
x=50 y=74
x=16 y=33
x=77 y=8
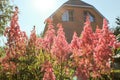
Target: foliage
x=5 y=14
x=117 y=29
x=53 y=58
x=117 y=51
x=117 y=33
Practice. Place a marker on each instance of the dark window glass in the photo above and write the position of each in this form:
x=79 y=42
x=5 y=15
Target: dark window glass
x=70 y=15
x=91 y=16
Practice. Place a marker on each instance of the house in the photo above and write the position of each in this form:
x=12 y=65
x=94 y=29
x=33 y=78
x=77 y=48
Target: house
x=72 y=14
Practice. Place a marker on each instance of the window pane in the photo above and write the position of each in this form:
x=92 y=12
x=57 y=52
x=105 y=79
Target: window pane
x=65 y=16
x=87 y=13
x=91 y=18
x=70 y=15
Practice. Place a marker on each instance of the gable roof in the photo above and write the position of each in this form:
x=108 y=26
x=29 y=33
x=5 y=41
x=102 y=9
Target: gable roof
x=77 y=3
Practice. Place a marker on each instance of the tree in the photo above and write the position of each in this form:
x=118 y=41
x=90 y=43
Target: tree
x=5 y=13
x=116 y=62
x=117 y=29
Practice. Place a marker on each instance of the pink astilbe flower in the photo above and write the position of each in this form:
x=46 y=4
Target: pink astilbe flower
x=60 y=47
x=84 y=68
x=75 y=42
x=48 y=71
x=85 y=62
x=33 y=37
x=39 y=43
x=16 y=39
x=14 y=20
x=107 y=34
x=8 y=65
x=103 y=49
x=117 y=45
x=16 y=43
x=75 y=46
x=87 y=38
x=49 y=36
x=97 y=34
x=106 y=40
x=48 y=21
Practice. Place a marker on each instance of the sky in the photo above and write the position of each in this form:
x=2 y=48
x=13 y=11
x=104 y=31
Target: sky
x=34 y=12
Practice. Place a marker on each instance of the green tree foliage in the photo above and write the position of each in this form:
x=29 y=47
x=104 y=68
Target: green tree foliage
x=116 y=64
x=117 y=29
x=117 y=32
x=5 y=13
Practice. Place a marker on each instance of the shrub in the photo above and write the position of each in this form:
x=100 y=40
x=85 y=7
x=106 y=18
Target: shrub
x=53 y=58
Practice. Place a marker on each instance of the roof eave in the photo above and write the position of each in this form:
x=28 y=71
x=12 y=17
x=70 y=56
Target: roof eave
x=76 y=5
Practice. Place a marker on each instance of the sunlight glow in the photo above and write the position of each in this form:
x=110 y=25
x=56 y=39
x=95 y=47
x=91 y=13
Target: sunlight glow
x=43 y=5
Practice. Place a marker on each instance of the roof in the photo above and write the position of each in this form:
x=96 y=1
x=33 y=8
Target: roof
x=78 y=3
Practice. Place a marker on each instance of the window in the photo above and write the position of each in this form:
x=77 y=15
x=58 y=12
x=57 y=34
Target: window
x=91 y=16
x=67 y=15
x=92 y=19
x=70 y=15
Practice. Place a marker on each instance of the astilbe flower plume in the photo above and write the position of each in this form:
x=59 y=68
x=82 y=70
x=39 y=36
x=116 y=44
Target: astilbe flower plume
x=94 y=49
x=49 y=36
x=16 y=43
x=16 y=39
x=84 y=62
x=75 y=46
x=48 y=71
x=87 y=38
x=103 y=49
x=60 y=47
x=39 y=43
x=97 y=34
x=33 y=42
x=117 y=45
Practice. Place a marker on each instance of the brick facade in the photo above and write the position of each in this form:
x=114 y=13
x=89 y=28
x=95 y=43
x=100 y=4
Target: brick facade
x=78 y=19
